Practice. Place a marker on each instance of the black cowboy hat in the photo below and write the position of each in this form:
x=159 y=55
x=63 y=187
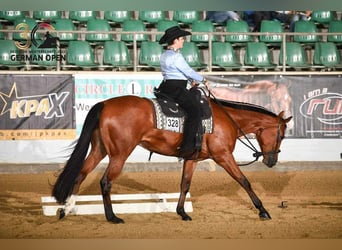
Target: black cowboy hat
x=173 y=33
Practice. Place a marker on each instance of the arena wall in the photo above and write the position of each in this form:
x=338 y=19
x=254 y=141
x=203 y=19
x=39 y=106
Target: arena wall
x=49 y=148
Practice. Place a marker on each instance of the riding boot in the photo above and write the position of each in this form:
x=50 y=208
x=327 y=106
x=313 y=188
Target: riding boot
x=188 y=146
x=199 y=138
x=186 y=149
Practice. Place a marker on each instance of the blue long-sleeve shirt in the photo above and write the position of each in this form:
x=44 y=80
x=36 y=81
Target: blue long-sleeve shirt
x=174 y=66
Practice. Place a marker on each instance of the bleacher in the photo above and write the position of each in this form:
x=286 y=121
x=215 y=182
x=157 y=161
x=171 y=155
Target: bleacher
x=128 y=41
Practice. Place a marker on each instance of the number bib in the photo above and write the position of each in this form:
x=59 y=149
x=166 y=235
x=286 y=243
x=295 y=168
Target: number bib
x=174 y=124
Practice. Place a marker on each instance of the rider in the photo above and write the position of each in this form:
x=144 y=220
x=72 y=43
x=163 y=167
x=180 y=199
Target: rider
x=176 y=75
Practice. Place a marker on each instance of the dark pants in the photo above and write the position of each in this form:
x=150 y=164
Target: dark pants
x=176 y=89
x=258 y=17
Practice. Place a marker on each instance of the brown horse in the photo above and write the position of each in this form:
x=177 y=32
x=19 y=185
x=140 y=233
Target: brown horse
x=116 y=126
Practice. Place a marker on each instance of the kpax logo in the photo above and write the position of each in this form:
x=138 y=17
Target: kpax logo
x=323 y=106
x=48 y=106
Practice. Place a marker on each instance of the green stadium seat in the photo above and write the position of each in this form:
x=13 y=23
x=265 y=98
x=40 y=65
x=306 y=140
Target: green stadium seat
x=47 y=15
x=117 y=16
x=308 y=27
x=98 y=25
x=80 y=54
x=322 y=16
x=11 y=15
x=223 y=56
x=192 y=55
x=65 y=25
x=20 y=36
x=295 y=57
x=258 y=55
x=116 y=54
x=205 y=27
x=150 y=53
x=151 y=16
x=238 y=39
x=271 y=26
x=133 y=26
x=82 y=16
x=335 y=27
x=186 y=17
x=327 y=55
x=163 y=25
x=48 y=55
x=8 y=49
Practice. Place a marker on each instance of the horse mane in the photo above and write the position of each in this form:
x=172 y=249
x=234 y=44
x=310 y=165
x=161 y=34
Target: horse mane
x=244 y=106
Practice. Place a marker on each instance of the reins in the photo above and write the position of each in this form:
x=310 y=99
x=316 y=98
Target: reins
x=250 y=145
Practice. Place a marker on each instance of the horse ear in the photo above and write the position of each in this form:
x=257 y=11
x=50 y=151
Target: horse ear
x=281 y=114
x=288 y=119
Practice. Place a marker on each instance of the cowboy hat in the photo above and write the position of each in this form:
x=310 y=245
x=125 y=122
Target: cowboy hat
x=173 y=33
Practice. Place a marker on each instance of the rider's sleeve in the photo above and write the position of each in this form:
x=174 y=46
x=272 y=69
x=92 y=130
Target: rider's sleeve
x=184 y=67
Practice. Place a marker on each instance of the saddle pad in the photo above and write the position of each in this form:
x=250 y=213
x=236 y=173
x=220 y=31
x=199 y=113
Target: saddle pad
x=175 y=123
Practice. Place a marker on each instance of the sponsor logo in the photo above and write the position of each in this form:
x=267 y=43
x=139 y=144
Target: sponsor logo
x=41 y=43
x=324 y=106
x=47 y=106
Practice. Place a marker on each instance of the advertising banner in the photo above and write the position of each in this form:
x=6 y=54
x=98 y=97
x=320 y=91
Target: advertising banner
x=90 y=89
x=315 y=102
x=318 y=106
x=37 y=107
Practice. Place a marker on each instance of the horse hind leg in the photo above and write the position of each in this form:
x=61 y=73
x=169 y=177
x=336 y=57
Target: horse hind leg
x=111 y=173
x=90 y=163
x=188 y=170
x=96 y=154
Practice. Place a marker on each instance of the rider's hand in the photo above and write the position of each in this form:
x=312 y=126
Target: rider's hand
x=194 y=83
x=206 y=83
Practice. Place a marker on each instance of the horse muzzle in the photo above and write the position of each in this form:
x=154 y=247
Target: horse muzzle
x=270 y=158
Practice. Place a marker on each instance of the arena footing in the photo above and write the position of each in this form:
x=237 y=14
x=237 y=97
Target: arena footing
x=20 y=168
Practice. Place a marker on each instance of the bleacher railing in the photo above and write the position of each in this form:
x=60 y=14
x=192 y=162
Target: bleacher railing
x=206 y=53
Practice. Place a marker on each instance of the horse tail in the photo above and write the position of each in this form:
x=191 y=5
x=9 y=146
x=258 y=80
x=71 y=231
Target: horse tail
x=66 y=180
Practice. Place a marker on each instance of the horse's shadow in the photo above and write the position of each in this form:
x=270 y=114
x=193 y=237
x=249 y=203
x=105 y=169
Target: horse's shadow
x=272 y=186
x=93 y=186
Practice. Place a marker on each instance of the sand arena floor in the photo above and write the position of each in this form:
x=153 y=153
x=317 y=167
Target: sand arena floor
x=222 y=209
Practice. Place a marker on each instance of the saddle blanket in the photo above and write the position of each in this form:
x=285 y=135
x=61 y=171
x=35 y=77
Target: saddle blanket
x=175 y=122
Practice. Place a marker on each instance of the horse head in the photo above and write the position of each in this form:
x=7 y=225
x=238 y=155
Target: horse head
x=270 y=138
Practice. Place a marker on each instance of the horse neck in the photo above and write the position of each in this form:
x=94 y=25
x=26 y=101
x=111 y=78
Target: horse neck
x=250 y=121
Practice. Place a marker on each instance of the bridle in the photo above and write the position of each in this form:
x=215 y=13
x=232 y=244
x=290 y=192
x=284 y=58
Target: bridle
x=273 y=152
x=249 y=144
x=257 y=154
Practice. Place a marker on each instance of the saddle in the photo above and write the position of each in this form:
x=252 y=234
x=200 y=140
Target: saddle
x=170 y=116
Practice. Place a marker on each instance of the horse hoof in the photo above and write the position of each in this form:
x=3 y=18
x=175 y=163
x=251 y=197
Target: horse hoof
x=265 y=216
x=117 y=220
x=186 y=218
x=61 y=214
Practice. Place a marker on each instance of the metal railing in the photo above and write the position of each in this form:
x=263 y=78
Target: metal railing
x=206 y=53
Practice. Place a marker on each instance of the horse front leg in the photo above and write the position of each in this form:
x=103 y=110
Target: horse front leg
x=263 y=214
x=188 y=170
x=233 y=170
